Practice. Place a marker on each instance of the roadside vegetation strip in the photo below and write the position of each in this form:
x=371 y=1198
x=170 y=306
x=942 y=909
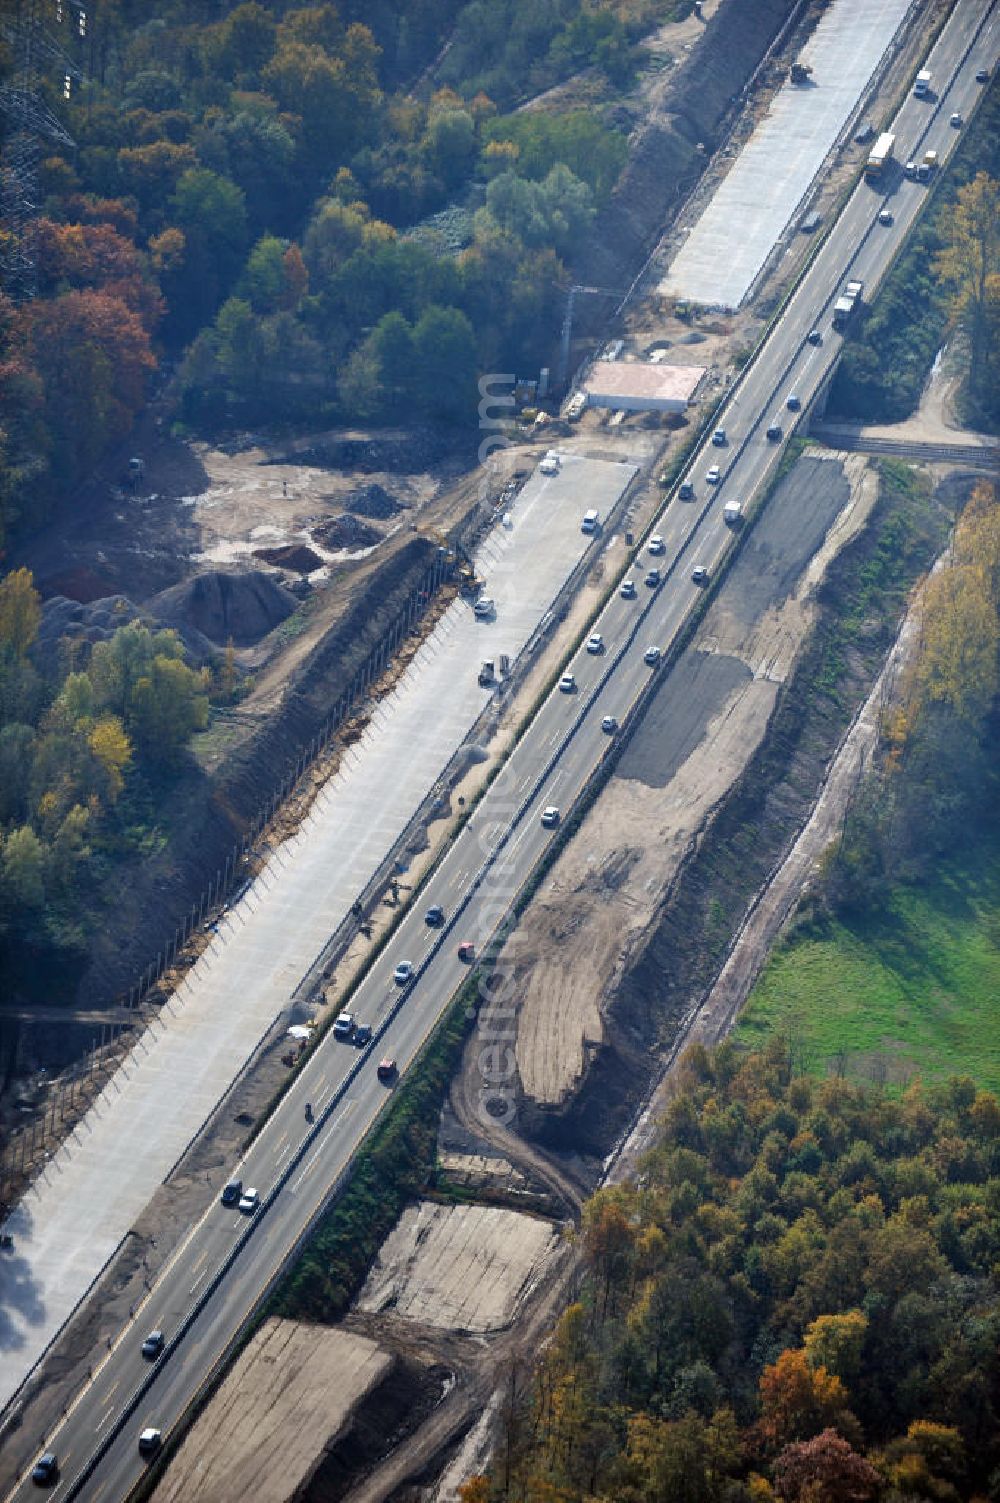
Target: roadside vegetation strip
x=391 y=1167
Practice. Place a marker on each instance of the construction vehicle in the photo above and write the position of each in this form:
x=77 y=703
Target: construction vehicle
x=926 y=168
x=469 y=583
x=880 y=155
x=846 y=304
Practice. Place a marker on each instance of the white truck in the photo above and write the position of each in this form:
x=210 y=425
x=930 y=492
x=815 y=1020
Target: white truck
x=732 y=514
x=846 y=304
x=922 y=84
x=880 y=155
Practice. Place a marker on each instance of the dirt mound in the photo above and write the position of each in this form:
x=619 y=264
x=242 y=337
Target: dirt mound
x=220 y=606
x=297 y=556
x=346 y=532
x=395 y=451
x=82 y=584
x=93 y=621
x=373 y=501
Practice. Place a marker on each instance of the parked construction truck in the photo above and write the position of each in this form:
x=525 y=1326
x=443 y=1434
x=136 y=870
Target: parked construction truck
x=880 y=155
x=846 y=304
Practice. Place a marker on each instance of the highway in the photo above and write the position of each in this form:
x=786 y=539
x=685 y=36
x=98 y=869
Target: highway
x=216 y=1278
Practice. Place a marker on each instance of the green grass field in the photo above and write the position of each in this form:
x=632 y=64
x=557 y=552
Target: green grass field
x=912 y=991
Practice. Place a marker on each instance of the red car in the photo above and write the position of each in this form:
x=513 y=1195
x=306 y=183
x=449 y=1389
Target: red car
x=466 y=951
x=387 y=1070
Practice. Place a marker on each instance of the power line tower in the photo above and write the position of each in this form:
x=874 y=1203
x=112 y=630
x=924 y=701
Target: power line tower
x=567 y=325
x=29 y=124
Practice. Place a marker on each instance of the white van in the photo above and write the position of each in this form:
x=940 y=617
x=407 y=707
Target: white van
x=591 y=521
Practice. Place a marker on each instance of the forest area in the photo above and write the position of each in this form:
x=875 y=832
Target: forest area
x=796 y=1300
x=275 y=209
x=278 y=214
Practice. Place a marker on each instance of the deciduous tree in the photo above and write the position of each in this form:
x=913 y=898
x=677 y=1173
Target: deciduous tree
x=970 y=264
x=798 y=1401
x=825 y=1469
x=20 y=612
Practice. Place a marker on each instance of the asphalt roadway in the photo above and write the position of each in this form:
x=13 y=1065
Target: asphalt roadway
x=217 y=1276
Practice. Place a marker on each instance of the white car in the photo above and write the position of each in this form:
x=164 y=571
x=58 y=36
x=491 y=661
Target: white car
x=656 y=544
x=549 y=465
x=699 y=574
x=609 y=725
x=651 y=656
x=249 y=1201
x=550 y=817
x=343 y=1028
x=567 y=684
x=885 y=216
x=403 y=973
x=712 y=475
x=595 y=644
x=627 y=591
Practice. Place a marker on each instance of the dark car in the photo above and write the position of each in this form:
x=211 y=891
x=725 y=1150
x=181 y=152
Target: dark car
x=150 y=1441
x=232 y=1192
x=387 y=1071
x=363 y=1035
x=685 y=490
x=45 y=1470
x=467 y=951
x=153 y=1345
x=434 y=916
x=814 y=337
x=774 y=433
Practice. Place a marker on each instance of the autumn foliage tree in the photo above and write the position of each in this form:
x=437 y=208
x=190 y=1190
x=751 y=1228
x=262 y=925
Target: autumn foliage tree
x=797 y=1301
x=797 y=1400
x=93 y=357
x=74 y=747
x=825 y=1469
x=970 y=265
